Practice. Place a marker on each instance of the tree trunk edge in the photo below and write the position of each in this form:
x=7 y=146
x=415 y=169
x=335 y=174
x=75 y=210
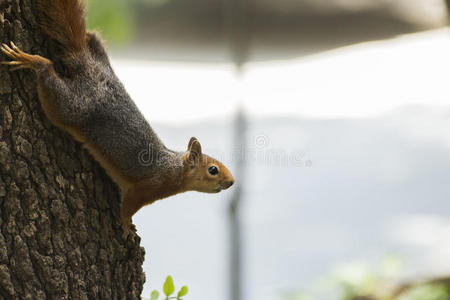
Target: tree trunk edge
x=60 y=229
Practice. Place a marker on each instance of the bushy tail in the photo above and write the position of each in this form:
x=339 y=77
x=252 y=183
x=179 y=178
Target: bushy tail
x=64 y=22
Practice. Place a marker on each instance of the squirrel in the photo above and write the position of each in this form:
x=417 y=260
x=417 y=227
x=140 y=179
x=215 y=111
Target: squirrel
x=80 y=94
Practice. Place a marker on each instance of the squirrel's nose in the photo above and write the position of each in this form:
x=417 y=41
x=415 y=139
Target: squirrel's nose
x=227 y=184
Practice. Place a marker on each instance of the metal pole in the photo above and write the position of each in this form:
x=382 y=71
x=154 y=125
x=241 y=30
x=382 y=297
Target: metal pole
x=236 y=19
x=237 y=31
x=234 y=210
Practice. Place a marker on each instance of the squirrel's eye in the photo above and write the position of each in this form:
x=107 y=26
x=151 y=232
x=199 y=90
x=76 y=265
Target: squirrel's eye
x=213 y=170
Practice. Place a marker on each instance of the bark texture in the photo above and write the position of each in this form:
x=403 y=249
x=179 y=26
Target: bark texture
x=60 y=230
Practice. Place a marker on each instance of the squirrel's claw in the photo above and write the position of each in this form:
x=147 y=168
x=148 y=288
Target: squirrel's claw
x=14 y=46
x=18 y=65
x=14 y=54
x=17 y=50
x=5 y=49
x=8 y=51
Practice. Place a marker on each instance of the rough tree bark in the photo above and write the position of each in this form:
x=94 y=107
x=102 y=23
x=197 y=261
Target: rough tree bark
x=60 y=231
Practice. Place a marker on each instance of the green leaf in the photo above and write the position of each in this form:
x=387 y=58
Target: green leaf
x=154 y=295
x=168 y=286
x=183 y=292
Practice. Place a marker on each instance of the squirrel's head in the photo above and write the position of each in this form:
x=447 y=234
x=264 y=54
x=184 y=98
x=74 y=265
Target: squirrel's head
x=204 y=173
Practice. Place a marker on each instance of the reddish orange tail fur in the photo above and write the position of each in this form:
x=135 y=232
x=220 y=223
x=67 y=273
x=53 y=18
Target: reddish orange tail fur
x=64 y=21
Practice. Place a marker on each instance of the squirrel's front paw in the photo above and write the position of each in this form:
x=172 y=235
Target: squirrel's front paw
x=22 y=60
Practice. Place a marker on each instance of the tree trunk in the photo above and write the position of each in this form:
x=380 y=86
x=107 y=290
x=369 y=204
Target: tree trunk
x=60 y=229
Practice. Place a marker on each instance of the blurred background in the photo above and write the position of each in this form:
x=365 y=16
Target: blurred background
x=334 y=116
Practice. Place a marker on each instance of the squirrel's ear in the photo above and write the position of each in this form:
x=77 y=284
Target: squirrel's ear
x=194 y=151
x=193 y=139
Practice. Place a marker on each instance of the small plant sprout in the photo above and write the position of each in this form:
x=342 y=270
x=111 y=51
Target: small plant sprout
x=169 y=289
